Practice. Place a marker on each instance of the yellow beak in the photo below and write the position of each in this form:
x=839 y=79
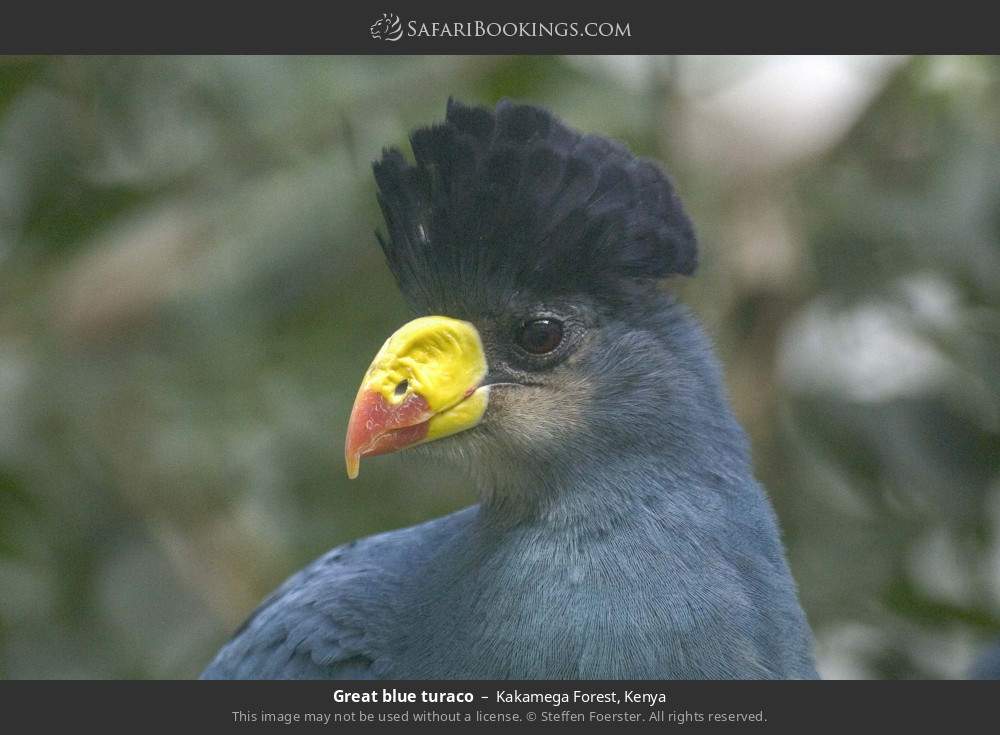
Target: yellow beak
x=424 y=384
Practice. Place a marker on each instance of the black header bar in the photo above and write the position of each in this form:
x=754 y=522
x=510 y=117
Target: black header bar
x=452 y=28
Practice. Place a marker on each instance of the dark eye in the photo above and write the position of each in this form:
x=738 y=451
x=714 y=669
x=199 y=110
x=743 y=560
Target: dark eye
x=540 y=336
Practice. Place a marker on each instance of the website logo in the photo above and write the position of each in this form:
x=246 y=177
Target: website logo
x=387 y=28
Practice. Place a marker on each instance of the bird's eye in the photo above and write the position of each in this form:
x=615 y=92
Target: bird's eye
x=540 y=336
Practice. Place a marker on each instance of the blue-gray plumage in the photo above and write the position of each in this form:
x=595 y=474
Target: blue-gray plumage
x=987 y=664
x=620 y=532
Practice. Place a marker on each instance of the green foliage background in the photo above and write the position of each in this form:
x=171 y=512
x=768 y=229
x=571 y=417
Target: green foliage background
x=190 y=291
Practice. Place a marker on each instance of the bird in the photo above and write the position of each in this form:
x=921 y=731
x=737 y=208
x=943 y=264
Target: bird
x=619 y=531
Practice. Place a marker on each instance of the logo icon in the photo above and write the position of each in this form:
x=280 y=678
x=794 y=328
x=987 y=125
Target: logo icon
x=387 y=28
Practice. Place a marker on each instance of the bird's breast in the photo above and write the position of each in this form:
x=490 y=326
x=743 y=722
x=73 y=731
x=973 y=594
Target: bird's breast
x=541 y=611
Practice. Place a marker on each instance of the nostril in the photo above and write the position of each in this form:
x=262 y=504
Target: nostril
x=402 y=387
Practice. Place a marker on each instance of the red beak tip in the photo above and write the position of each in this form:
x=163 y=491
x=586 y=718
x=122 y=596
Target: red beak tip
x=376 y=427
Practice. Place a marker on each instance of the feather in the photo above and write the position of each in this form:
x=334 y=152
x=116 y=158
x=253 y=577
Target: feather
x=511 y=199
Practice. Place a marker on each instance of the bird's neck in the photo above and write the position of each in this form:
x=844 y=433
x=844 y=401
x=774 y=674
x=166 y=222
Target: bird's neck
x=603 y=495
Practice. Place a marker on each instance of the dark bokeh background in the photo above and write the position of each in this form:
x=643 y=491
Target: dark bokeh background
x=190 y=291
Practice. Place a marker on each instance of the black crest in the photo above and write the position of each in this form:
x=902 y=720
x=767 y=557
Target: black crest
x=507 y=200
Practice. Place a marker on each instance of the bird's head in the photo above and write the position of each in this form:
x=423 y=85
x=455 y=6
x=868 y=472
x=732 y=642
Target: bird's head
x=533 y=253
